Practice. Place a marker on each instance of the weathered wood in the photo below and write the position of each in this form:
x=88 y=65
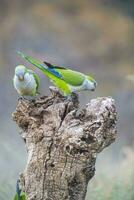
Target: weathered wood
x=62 y=144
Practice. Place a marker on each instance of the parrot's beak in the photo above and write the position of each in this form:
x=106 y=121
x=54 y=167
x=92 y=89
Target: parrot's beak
x=21 y=77
x=94 y=86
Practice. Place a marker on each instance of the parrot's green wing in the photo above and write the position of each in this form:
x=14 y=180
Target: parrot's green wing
x=37 y=79
x=71 y=77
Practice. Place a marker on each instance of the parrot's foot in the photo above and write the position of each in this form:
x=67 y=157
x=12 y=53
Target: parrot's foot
x=71 y=97
x=21 y=98
x=32 y=100
x=68 y=98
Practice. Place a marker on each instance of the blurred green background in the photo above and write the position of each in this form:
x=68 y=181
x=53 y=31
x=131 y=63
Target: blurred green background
x=94 y=37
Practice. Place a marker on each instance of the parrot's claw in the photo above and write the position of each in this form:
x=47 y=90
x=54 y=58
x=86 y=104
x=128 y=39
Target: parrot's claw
x=21 y=98
x=71 y=97
x=26 y=99
x=68 y=98
x=32 y=100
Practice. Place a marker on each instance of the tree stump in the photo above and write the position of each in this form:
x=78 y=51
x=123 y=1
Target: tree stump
x=62 y=144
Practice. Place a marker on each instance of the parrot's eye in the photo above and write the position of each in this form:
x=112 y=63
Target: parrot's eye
x=95 y=84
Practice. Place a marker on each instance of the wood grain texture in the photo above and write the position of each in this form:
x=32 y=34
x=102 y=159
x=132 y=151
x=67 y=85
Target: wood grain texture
x=62 y=144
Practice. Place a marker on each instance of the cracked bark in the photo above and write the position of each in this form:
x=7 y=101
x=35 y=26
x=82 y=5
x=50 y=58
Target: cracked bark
x=62 y=144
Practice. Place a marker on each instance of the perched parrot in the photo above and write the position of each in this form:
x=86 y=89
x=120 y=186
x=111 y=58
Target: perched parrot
x=25 y=81
x=67 y=80
x=19 y=194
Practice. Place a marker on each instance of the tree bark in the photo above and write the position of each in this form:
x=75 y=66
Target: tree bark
x=62 y=144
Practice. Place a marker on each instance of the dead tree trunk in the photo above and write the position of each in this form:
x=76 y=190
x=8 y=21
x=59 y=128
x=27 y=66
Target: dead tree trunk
x=62 y=144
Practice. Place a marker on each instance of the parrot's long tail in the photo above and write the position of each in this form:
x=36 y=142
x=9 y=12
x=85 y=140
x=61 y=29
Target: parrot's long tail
x=39 y=65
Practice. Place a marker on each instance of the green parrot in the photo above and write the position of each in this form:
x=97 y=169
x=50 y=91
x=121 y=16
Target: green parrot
x=66 y=80
x=19 y=194
x=25 y=81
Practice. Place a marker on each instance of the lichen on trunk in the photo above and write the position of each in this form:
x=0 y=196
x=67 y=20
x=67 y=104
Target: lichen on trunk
x=62 y=144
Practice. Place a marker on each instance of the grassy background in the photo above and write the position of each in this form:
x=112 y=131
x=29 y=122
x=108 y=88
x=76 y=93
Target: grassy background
x=114 y=182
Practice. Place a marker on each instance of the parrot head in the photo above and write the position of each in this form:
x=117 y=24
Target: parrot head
x=20 y=71
x=91 y=83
